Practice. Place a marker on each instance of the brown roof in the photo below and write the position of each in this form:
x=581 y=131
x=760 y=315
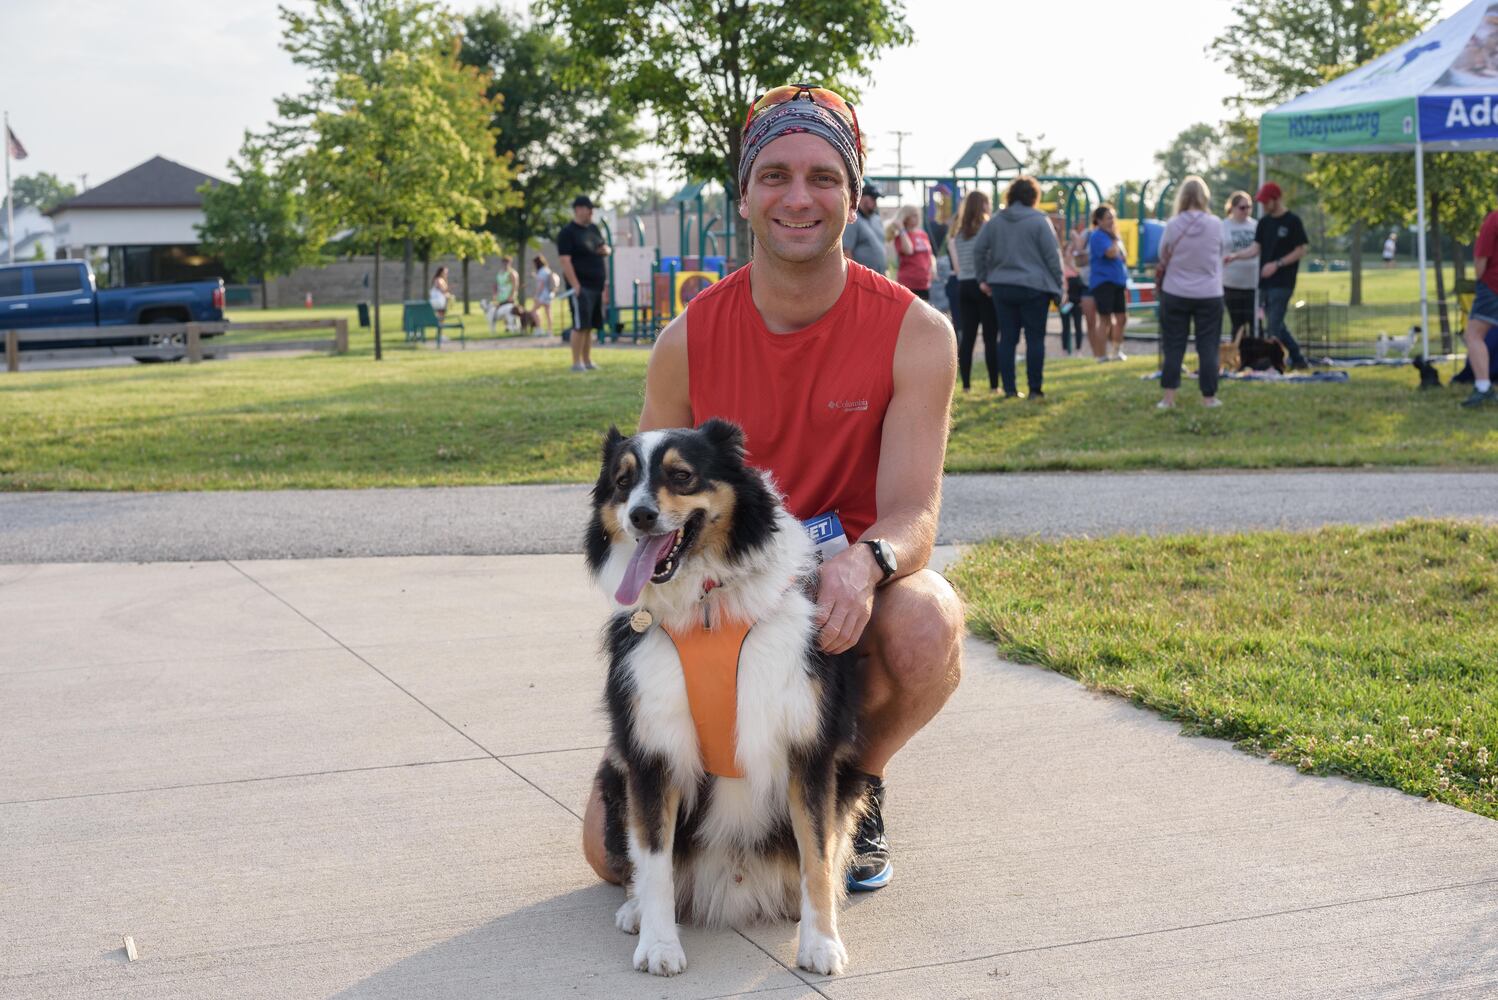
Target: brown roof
x=157 y=183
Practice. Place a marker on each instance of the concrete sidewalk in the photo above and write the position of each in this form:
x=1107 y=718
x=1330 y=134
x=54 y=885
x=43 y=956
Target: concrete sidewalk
x=517 y=520
x=362 y=778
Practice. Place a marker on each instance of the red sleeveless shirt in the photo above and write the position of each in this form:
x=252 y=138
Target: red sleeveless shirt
x=811 y=402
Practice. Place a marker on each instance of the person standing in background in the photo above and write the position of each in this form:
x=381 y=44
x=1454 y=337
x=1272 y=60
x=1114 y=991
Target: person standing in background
x=1109 y=281
x=974 y=309
x=1484 y=313
x=1018 y=263
x=863 y=241
x=913 y=246
x=583 y=252
x=1240 y=279
x=1191 y=291
x=1280 y=241
x=437 y=295
x=546 y=291
x=1077 y=249
x=1071 y=313
x=1391 y=247
x=506 y=282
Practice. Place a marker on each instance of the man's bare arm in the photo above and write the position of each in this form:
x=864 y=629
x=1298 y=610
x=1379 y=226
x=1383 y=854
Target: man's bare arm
x=912 y=452
x=914 y=446
x=668 y=399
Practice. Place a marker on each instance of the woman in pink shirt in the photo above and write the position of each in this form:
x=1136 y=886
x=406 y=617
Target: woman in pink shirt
x=1191 y=291
x=917 y=262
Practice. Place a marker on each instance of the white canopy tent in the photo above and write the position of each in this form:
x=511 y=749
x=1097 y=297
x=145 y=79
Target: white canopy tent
x=1437 y=92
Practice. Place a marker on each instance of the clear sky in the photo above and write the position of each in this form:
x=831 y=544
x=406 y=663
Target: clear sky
x=97 y=86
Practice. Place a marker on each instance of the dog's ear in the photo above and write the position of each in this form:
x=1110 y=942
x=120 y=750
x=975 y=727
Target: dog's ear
x=725 y=436
x=604 y=488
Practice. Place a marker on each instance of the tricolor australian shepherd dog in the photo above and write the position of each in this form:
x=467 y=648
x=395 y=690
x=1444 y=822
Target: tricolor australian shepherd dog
x=729 y=786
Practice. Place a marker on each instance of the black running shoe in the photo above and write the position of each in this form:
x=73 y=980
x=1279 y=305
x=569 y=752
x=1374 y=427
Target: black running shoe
x=871 y=868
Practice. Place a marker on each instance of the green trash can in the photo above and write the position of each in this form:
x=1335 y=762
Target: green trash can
x=364 y=315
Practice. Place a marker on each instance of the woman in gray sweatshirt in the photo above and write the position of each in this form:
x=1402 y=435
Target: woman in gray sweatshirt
x=1018 y=262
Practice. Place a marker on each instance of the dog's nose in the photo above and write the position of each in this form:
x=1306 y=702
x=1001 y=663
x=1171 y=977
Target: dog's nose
x=643 y=518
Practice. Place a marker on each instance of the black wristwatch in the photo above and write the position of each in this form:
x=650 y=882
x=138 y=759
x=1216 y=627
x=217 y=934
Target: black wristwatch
x=884 y=555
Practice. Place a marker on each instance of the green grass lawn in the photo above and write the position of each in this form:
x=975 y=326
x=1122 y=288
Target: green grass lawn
x=417 y=419
x=1366 y=652
x=1102 y=417
x=361 y=341
x=420 y=418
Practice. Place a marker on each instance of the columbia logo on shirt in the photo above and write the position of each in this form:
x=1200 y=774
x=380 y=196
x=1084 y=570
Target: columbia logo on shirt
x=848 y=405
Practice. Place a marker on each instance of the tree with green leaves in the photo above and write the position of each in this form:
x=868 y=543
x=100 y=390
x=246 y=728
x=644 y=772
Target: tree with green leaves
x=1215 y=153
x=556 y=120
x=331 y=38
x=697 y=64
x=41 y=191
x=255 y=223
x=411 y=156
x=1281 y=48
x=335 y=38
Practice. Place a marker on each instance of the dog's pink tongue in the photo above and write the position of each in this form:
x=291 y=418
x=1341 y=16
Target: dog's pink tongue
x=642 y=566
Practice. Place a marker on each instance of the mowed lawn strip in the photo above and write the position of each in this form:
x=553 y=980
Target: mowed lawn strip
x=484 y=416
x=416 y=419
x=1366 y=652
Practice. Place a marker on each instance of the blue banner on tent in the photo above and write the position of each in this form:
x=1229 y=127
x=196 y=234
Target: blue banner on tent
x=1454 y=117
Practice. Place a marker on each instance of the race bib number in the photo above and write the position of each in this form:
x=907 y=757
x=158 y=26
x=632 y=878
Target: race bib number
x=827 y=535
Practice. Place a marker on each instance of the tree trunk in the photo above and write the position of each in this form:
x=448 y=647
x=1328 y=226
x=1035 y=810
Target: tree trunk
x=263 y=303
x=426 y=271
x=1459 y=264
x=406 y=276
x=1435 y=229
x=376 y=317
x=521 y=267
x=465 y=286
x=1356 y=266
x=743 y=242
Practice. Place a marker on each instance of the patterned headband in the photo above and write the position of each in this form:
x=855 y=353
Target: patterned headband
x=801 y=116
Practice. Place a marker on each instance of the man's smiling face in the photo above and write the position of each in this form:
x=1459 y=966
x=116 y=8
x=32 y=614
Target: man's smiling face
x=798 y=201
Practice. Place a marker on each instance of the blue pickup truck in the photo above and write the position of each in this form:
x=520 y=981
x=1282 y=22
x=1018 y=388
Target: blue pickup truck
x=59 y=293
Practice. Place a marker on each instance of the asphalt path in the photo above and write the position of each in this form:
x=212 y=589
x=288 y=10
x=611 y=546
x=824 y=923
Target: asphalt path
x=516 y=520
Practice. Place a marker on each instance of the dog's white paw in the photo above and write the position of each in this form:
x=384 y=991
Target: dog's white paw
x=627 y=917
x=821 y=954
x=660 y=957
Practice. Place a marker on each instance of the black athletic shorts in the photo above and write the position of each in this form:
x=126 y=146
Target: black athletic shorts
x=587 y=309
x=1111 y=298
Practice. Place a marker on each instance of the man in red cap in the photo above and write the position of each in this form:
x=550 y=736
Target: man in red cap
x=1279 y=243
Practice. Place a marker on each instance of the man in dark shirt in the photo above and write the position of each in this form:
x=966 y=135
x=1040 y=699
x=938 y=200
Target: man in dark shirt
x=1279 y=243
x=582 y=249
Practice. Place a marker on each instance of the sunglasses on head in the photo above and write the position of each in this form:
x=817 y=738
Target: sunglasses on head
x=820 y=96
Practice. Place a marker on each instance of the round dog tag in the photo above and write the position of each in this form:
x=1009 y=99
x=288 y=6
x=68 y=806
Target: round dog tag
x=640 y=620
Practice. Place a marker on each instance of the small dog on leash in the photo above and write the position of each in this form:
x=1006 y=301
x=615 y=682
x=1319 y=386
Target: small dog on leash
x=1400 y=346
x=1252 y=353
x=1229 y=358
x=730 y=785
x=514 y=317
x=1430 y=378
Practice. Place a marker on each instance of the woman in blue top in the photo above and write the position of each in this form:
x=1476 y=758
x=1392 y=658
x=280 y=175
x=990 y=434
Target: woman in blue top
x=1109 y=280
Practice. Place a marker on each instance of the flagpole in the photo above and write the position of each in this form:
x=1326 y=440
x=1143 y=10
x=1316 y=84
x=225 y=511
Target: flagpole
x=10 y=203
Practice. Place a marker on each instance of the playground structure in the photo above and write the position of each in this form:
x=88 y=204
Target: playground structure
x=647 y=289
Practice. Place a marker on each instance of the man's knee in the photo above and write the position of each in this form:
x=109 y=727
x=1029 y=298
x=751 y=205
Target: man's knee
x=917 y=634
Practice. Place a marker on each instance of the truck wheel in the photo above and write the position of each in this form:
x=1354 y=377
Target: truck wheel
x=164 y=340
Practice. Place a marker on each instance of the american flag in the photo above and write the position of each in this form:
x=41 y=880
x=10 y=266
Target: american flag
x=17 y=151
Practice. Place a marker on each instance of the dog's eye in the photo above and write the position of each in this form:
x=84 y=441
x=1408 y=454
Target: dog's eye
x=680 y=476
x=622 y=482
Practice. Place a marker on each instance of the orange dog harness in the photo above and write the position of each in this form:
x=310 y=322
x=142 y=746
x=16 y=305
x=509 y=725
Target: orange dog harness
x=710 y=664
